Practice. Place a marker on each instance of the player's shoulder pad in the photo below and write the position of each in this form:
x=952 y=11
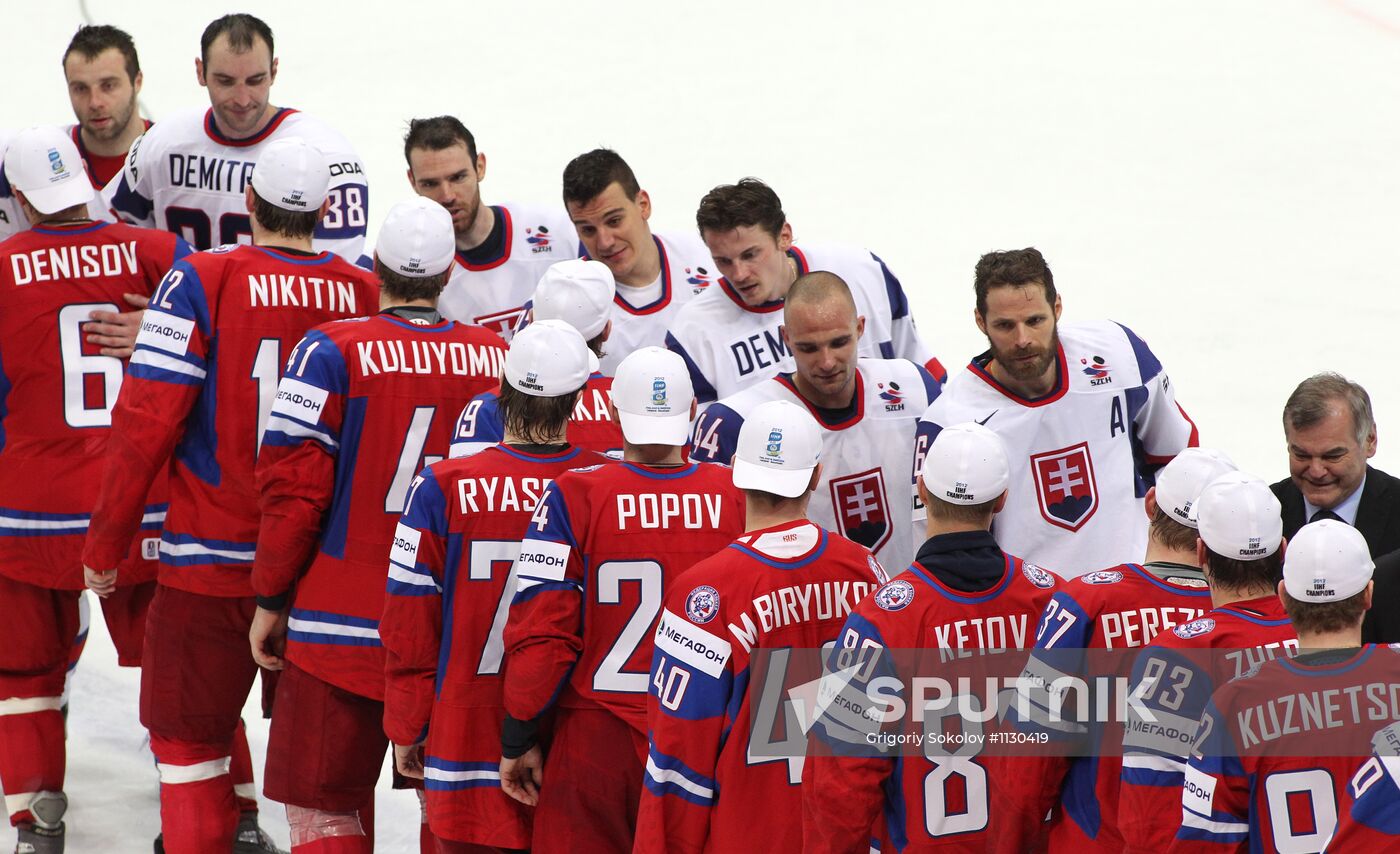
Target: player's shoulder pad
x=1194 y=629
x=1106 y=356
x=896 y=385
x=334 y=144
x=895 y=595
x=1040 y=577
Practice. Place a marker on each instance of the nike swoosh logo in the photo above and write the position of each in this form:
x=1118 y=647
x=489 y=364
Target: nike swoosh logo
x=984 y=421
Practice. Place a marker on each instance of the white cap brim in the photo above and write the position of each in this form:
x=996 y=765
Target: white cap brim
x=61 y=196
x=655 y=429
x=789 y=483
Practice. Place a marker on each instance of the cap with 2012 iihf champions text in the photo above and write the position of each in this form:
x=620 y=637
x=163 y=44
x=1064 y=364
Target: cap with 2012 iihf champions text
x=44 y=164
x=653 y=396
x=547 y=359
x=1238 y=517
x=779 y=447
x=1327 y=561
x=1181 y=481
x=966 y=464
x=292 y=174
x=416 y=239
x=578 y=292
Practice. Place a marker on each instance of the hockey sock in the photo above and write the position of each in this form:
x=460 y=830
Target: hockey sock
x=32 y=752
x=240 y=771
x=197 y=809
x=319 y=832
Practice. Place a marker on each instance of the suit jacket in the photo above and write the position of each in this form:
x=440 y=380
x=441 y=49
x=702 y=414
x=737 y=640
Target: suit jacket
x=1378 y=520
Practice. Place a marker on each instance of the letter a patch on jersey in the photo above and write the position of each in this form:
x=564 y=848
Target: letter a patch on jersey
x=859 y=501
x=1065 y=487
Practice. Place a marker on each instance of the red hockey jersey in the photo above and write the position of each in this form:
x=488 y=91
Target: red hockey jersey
x=204 y=375
x=451 y=578
x=1372 y=823
x=591 y=427
x=713 y=782
x=1280 y=747
x=1176 y=691
x=1119 y=608
x=948 y=798
x=596 y=563
x=364 y=403
x=57 y=393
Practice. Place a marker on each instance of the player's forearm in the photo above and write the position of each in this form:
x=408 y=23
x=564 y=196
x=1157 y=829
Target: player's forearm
x=536 y=671
x=130 y=467
x=841 y=799
x=408 y=701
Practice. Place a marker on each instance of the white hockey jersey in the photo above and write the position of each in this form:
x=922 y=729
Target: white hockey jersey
x=686 y=271
x=866 y=492
x=1082 y=456
x=12 y=219
x=493 y=292
x=186 y=177
x=729 y=345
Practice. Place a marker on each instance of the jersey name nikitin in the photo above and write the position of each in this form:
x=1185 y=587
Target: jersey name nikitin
x=186 y=177
x=1082 y=456
x=729 y=345
x=493 y=293
x=867 y=491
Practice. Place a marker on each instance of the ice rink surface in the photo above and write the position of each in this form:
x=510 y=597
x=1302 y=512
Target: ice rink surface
x=1219 y=176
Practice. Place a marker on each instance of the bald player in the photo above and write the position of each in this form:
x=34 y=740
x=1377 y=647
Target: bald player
x=868 y=410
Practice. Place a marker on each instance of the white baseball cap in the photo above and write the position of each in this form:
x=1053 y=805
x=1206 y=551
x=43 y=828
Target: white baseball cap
x=1327 y=561
x=44 y=164
x=780 y=445
x=546 y=359
x=652 y=393
x=1238 y=517
x=292 y=175
x=578 y=292
x=416 y=239
x=1180 y=482
x=966 y=465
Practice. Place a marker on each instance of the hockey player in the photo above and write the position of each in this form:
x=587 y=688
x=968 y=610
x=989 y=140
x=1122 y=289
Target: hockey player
x=451 y=579
x=203 y=382
x=188 y=173
x=944 y=799
x=362 y=405
x=729 y=335
x=868 y=410
x=604 y=547
x=579 y=293
x=1122 y=607
x=707 y=789
x=1241 y=552
x=103 y=75
x=502 y=250
x=656 y=274
x=55 y=414
x=1086 y=411
x=1281 y=743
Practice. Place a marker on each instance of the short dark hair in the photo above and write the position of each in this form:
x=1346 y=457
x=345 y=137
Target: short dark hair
x=1171 y=533
x=732 y=206
x=409 y=288
x=90 y=42
x=242 y=30
x=764 y=500
x=436 y=134
x=594 y=171
x=283 y=221
x=1244 y=574
x=1015 y=268
x=1323 y=617
x=535 y=419
x=1315 y=396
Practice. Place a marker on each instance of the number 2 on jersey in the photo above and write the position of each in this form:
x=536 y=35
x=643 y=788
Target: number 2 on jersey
x=647 y=573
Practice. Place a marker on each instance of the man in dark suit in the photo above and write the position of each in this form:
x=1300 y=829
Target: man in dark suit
x=1331 y=434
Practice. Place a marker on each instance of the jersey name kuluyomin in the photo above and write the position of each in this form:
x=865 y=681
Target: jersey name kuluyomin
x=500 y=494
x=210 y=173
x=428 y=357
x=58 y=263
x=800 y=603
x=276 y=290
x=650 y=510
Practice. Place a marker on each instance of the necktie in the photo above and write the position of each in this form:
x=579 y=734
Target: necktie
x=1325 y=514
